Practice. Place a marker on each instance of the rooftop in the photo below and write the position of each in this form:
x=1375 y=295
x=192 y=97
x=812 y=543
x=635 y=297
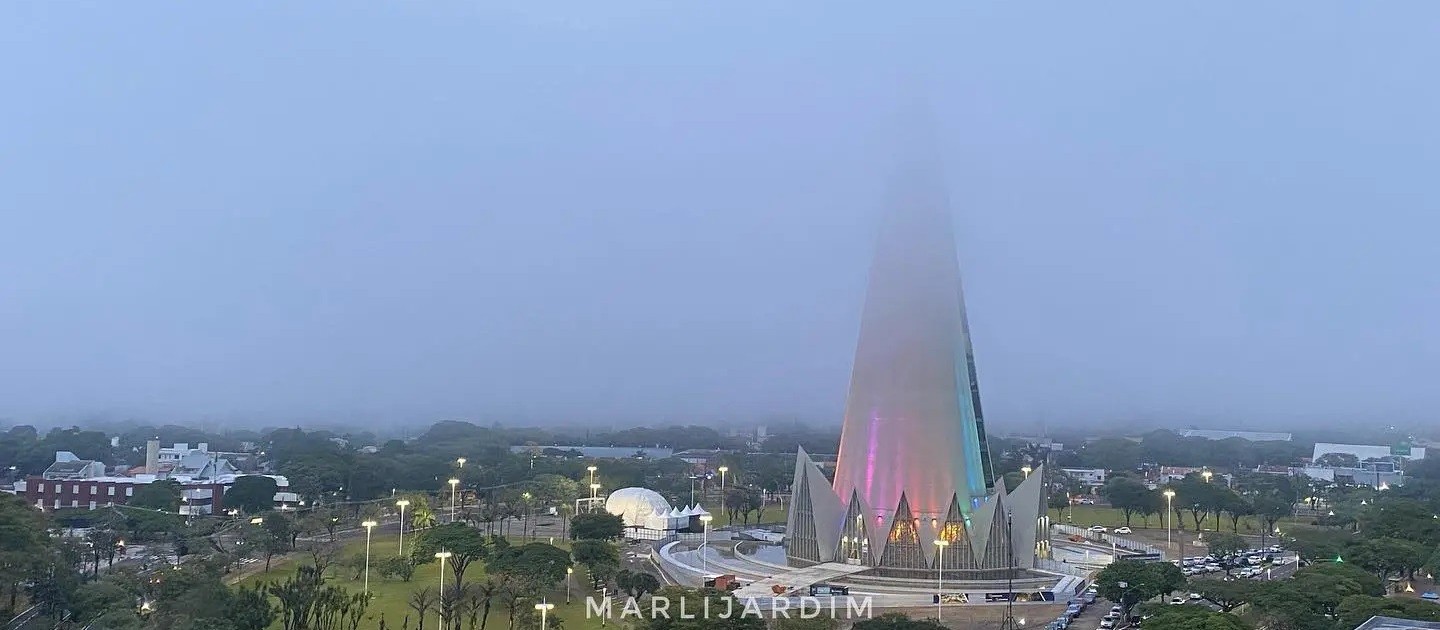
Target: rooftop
x=1253 y=436
x=72 y=466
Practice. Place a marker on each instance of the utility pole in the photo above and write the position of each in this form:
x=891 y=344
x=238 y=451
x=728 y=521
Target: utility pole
x=1009 y=622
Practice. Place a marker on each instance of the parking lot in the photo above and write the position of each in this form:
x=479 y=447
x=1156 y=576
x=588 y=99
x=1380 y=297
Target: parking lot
x=1253 y=564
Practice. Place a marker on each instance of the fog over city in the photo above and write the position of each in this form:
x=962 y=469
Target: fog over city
x=393 y=213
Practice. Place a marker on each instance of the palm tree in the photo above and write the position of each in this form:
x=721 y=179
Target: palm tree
x=477 y=602
x=565 y=509
x=422 y=601
x=422 y=516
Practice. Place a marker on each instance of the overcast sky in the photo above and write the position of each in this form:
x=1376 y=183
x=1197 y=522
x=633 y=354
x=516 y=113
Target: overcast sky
x=1221 y=214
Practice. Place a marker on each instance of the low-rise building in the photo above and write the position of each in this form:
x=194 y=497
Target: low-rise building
x=1088 y=476
x=68 y=466
x=1253 y=436
x=597 y=452
x=83 y=484
x=1363 y=452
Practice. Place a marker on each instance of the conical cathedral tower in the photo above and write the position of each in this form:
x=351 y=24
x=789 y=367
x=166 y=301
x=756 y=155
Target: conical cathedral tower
x=913 y=464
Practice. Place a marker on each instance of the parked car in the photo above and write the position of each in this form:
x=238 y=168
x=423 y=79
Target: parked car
x=1176 y=601
x=1123 y=530
x=1098 y=529
x=1107 y=624
x=1195 y=596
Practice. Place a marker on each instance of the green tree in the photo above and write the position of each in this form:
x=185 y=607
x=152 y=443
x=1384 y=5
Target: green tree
x=1129 y=582
x=1325 y=585
x=465 y=544
x=596 y=526
x=1191 y=618
x=636 y=583
x=897 y=621
x=307 y=603
x=252 y=494
x=1127 y=495
x=403 y=568
x=1058 y=502
x=1237 y=507
x=1355 y=609
x=162 y=494
x=1279 y=605
x=1317 y=545
x=95 y=599
x=600 y=557
x=264 y=541
x=1387 y=556
x=822 y=622
x=533 y=567
x=1271 y=508
x=555 y=489
x=25 y=547
x=1226 y=594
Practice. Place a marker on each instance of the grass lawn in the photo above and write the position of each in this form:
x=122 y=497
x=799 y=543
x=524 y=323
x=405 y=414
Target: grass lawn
x=392 y=595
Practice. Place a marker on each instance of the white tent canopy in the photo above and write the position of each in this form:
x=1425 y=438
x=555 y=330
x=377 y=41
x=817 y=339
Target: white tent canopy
x=640 y=507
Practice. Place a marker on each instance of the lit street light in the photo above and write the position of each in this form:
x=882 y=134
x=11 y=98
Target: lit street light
x=368 y=525
x=568 y=572
x=454 y=486
x=1207 y=475
x=704 y=518
x=402 y=503
x=442 y=555
x=543 y=607
x=1169 y=514
x=525 y=528
x=723 y=470
x=1026 y=470
x=460 y=462
x=940 y=578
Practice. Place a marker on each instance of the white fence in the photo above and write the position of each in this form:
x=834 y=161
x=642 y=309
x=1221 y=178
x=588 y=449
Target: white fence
x=1046 y=564
x=1123 y=543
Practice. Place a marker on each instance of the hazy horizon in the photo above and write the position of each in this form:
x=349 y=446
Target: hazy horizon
x=642 y=213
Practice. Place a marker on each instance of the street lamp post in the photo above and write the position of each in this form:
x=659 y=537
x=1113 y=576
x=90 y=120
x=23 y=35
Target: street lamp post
x=525 y=529
x=442 y=555
x=568 y=572
x=1207 y=475
x=1169 y=514
x=723 y=470
x=940 y=578
x=543 y=607
x=402 y=504
x=1124 y=600
x=454 y=488
x=460 y=462
x=593 y=486
x=1026 y=469
x=368 y=525
x=704 y=541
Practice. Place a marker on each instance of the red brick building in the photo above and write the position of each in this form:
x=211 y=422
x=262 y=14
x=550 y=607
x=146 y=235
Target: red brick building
x=54 y=494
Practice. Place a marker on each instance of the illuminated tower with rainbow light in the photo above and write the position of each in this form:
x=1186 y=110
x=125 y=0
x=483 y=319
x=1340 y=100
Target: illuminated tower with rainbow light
x=913 y=464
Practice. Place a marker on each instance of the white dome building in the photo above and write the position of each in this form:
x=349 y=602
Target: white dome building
x=640 y=507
